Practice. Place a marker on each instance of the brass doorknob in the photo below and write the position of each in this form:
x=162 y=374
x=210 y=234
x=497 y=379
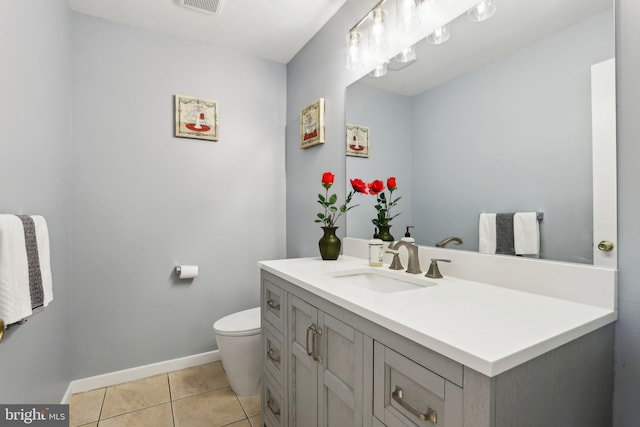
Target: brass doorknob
x=2 y=328
x=605 y=246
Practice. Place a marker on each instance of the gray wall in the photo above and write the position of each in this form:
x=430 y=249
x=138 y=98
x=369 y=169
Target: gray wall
x=388 y=117
x=513 y=135
x=318 y=70
x=145 y=201
x=627 y=380
x=35 y=112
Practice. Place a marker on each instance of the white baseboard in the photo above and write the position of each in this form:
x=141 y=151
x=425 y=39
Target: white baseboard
x=139 y=372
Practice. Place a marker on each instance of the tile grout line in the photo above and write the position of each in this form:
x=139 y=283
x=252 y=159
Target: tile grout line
x=241 y=406
x=173 y=415
x=203 y=392
x=104 y=398
x=134 y=411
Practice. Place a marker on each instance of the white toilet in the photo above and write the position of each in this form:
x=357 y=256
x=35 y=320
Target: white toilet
x=238 y=337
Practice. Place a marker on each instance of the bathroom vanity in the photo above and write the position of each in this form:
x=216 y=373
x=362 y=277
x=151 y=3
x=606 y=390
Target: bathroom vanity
x=345 y=344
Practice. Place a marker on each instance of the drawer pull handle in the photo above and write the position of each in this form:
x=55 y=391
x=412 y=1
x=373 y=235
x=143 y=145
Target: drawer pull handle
x=273 y=305
x=275 y=412
x=272 y=357
x=431 y=415
x=317 y=331
x=310 y=329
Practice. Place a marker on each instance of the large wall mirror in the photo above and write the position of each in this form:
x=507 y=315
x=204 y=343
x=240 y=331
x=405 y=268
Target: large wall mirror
x=497 y=119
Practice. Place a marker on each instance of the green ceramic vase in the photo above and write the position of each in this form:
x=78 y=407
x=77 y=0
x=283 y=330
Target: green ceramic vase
x=329 y=244
x=383 y=233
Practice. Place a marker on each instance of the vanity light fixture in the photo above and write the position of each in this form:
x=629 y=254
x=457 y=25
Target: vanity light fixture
x=482 y=11
x=439 y=36
x=379 y=70
x=354 y=55
x=377 y=40
x=406 y=16
x=373 y=27
x=378 y=33
x=407 y=54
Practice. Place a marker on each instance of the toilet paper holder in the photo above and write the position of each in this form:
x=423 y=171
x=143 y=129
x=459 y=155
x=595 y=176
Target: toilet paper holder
x=186 y=271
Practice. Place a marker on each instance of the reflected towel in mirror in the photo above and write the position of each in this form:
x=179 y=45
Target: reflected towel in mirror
x=509 y=233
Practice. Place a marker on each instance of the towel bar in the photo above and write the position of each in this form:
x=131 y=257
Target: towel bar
x=540 y=216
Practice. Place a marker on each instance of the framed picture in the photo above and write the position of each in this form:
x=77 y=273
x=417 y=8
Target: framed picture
x=312 y=124
x=196 y=118
x=357 y=141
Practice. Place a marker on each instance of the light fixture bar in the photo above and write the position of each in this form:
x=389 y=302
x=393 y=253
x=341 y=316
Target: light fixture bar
x=364 y=18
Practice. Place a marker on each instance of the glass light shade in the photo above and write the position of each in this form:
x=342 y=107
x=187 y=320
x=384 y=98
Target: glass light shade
x=379 y=71
x=377 y=36
x=406 y=15
x=408 y=54
x=482 y=11
x=354 y=51
x=439 y=36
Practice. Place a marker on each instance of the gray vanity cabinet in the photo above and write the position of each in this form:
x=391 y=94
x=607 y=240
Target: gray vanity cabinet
x=325 y=368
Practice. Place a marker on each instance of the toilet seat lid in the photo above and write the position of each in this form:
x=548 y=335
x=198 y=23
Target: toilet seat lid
x=239 y=324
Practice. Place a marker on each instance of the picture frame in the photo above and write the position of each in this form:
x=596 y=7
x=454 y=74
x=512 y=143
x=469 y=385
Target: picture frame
x=357 y=141
x=196 y=118
x=312 y=124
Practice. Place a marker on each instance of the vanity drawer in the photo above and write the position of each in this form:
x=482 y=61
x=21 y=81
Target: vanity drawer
x=273 y=405
x=274 y=354
x=273 y=304
x=408 y=394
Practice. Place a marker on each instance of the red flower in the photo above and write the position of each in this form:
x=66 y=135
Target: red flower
x=391 y=183
x=376 y=186
x=327 y=179
x=384 y=203
x=328 y=201
x=359 y=185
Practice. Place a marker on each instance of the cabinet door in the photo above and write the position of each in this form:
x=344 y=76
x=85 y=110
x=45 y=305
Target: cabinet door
x=303 y=369
x=340 y=370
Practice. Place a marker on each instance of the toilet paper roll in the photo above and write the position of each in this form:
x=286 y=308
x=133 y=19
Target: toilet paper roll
x=187 y=271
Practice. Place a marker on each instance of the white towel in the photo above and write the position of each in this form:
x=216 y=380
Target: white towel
x=526 y=233
x=15 y=296
x=487 y=233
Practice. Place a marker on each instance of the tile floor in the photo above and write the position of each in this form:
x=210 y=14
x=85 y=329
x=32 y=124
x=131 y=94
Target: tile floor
x=194 y=397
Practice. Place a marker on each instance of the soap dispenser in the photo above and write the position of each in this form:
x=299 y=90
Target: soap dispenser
x=407 y=236
x=376 y=250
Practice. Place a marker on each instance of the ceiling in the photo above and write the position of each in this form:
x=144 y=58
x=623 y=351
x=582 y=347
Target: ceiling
x=274 y=30
x=472 y=44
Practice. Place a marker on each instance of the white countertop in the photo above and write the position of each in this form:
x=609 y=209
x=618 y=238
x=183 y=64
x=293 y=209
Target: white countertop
x=488 y=328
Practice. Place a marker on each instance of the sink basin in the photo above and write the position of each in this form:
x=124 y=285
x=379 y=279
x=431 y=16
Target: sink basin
x=382 y=281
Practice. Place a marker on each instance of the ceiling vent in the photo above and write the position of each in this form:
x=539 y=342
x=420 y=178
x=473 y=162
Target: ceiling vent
x=208 y=6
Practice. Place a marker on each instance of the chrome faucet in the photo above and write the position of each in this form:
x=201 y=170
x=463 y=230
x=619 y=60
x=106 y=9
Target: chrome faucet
x=412 y=249
x=445 y=242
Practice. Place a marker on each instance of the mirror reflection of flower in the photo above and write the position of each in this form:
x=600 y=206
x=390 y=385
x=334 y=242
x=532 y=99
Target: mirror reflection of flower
x=384 y=203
